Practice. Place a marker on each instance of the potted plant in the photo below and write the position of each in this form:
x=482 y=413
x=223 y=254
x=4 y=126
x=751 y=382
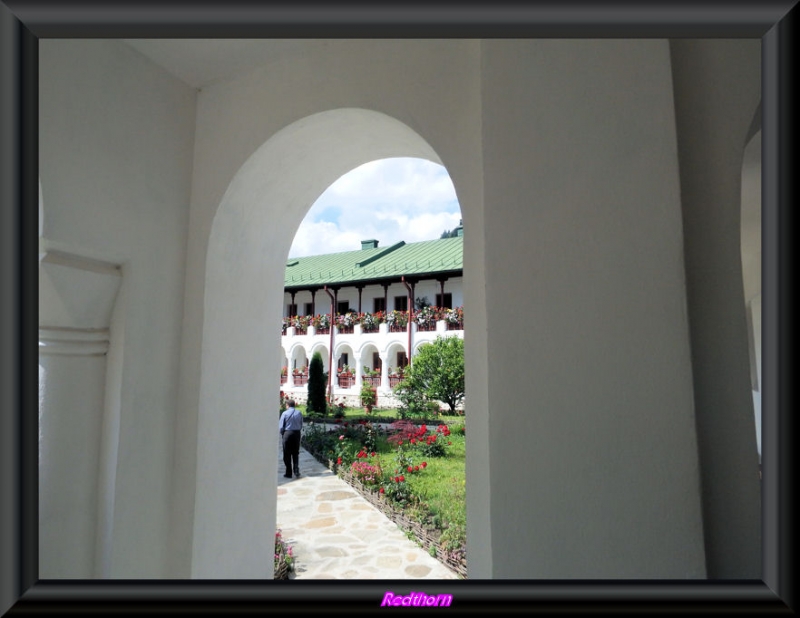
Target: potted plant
x=368 y=397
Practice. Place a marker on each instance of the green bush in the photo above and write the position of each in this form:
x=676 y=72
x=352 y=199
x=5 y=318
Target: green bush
x=437 y=371
x=412 y=400
x=316 y=404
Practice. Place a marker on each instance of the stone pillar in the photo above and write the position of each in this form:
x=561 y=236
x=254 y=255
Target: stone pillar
x=70 y=421
x=384 y=372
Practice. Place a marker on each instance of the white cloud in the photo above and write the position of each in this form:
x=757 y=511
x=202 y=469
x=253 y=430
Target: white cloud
x=388 y=200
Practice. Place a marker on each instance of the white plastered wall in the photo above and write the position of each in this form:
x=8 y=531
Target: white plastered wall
x=563 y=157
x=593 y=469
x=273 y=191
x=115 y=148
x=717 y=92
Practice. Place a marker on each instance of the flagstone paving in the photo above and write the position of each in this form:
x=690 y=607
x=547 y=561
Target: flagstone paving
x=336 y=534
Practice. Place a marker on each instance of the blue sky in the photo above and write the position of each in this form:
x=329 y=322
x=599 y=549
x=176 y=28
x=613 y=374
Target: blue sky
x=388 y=200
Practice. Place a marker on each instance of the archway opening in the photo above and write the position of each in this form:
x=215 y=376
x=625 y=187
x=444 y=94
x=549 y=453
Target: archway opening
x=376 y=271
x=243 y=303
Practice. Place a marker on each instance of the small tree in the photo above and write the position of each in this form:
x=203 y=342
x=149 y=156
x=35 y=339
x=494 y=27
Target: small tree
x=316 y=404
x=412 y=400
x=368 y=396
x=438 y=371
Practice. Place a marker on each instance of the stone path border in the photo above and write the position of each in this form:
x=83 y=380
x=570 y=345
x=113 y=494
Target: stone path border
x=335 y=533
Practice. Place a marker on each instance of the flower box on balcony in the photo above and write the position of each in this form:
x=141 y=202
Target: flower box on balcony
x=373 y=381
x=395 y=380
x=284 y=379
x=344 y=330
x=346 y=381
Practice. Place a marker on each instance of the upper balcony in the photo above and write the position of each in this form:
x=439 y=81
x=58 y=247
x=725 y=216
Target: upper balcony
x=429 y=319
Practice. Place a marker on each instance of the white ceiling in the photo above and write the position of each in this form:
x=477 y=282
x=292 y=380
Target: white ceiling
x=200 y=62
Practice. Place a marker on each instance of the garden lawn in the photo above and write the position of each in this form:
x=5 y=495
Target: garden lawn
x=441 y=488
x=433 y=487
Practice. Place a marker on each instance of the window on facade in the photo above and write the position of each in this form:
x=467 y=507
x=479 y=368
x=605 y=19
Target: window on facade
x=291 y=310
x=446 y=302
x=376 y=361
x=402 y=360
x=343 y=306
x=379 y=304
x=309 y=309
x=401 y=303
x=344 y=359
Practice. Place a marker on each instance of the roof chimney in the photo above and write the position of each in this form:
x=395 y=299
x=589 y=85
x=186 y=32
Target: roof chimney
x=369 y=244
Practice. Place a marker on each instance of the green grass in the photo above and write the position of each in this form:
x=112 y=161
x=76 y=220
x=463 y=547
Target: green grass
x=439 y=488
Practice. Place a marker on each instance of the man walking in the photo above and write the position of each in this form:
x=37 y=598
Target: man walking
x=290 y=425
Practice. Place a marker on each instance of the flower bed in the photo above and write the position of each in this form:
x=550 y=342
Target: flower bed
x=284 y=561
x=426 y=534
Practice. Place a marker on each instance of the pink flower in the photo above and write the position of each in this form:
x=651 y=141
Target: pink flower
x=341 y=437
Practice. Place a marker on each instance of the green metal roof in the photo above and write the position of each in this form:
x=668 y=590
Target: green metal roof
x=429 y=257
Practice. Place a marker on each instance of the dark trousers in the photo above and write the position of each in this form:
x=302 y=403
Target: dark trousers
x=291 y=450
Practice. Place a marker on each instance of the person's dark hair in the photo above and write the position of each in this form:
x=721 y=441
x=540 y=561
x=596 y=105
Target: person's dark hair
x=290 y=403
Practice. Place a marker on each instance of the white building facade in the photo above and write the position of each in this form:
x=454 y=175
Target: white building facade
x=369 y=328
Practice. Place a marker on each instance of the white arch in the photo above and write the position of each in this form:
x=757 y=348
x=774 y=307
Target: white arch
x=233 y=526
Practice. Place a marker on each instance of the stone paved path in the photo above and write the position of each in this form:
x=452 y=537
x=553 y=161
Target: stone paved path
x=336 y=534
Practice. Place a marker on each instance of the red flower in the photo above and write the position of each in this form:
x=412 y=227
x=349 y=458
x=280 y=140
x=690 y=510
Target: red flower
x=449 y=442
x=424 y=463
x=410 y=469
x=372 y=454
x=402 y=478
x=416 y=468
x=381 y=490
x=339 y=461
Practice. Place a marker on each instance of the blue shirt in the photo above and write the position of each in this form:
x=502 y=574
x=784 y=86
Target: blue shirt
x=291 y=419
